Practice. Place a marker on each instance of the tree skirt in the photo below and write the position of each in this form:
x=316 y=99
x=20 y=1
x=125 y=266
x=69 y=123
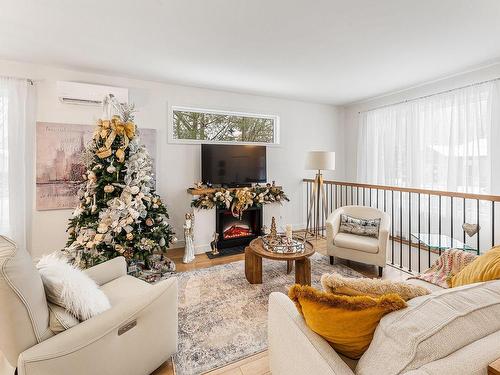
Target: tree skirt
x=223 y=318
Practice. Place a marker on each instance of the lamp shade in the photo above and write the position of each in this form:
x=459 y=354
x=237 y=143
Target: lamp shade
x=320 y=160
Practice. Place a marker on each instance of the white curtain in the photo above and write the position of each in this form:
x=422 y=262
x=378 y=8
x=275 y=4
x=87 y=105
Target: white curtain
x=16 y=111
x=449 y=142
x=443 y=142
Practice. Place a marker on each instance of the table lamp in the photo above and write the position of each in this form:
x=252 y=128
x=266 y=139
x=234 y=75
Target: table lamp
x=318 y=160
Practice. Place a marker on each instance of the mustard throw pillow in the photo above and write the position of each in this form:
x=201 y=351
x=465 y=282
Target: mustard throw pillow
x=346 y=322
x=485 y=267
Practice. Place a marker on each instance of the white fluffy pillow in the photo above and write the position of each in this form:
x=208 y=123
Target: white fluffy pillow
x=70 y=288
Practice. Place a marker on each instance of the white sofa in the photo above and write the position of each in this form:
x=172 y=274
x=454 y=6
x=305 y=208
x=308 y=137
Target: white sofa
x=362 y=249
x=97 y=345
x=449 y=332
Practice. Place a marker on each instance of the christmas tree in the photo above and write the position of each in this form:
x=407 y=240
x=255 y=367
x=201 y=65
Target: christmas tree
x=119 y=211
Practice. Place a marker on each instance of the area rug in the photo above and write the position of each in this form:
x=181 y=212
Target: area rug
x=223 y=318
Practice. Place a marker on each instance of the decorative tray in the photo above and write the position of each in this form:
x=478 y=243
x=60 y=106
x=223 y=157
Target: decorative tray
x=282 y=245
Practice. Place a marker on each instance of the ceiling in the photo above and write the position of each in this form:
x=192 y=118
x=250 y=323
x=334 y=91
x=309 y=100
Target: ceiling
x=329 y=51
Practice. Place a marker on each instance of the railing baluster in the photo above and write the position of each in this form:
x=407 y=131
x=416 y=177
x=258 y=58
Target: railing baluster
x=409 y=231
x=400 y=229
x=478 y=234
x=385 y=200
x=451 y=220
x=464 y=219
x=336 y=197
x=370 y=197
x=392 y=225
x=376 y=200
x=364 y=204
x=418 y=230
x=492 y=223
x=429 y=229
x=330 y=199
x=439 y=215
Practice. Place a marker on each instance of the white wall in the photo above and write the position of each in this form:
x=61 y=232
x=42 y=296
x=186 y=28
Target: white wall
x=304 y=127
x=351 y=112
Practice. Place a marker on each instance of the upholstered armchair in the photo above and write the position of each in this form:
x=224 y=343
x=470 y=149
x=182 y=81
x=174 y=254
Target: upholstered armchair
x=135 y=336
x=354 y=247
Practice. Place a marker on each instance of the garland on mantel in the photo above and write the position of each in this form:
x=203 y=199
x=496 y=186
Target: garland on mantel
x=238 y=200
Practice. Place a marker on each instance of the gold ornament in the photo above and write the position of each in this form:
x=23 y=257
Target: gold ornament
x=109 y=188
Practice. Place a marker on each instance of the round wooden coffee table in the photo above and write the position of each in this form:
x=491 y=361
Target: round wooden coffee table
x=254 y=253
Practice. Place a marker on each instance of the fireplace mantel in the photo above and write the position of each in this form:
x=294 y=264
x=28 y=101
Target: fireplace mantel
x=194 y=191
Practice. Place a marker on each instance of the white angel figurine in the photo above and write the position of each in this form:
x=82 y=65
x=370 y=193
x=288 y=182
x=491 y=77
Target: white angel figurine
x=188 y=237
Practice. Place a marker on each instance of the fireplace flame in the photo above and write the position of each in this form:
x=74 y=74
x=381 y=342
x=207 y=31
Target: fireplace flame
x=237 y=230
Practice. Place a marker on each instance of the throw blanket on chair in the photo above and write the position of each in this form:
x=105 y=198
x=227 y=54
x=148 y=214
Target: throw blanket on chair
x=448 y=264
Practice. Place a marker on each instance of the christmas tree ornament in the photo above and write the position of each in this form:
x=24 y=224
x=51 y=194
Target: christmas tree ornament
x=119 y=211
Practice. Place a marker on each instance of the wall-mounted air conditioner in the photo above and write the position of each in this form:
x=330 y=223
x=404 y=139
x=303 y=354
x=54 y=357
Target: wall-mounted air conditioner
x=87 y=94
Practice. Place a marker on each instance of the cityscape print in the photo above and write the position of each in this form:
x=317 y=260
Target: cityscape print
x=59 y=168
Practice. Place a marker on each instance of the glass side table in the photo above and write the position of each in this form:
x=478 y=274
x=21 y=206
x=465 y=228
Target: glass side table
x=441 y=242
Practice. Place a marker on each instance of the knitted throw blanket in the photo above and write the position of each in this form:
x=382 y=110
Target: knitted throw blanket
x=448 y=264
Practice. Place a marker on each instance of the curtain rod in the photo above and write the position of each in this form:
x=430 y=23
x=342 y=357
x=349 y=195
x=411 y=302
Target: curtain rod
x=430 y=95
x=29 y=80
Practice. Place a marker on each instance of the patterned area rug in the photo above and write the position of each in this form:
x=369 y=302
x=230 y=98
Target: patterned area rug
x=223 y=318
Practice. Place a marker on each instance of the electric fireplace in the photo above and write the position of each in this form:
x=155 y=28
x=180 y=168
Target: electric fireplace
x=235 y=232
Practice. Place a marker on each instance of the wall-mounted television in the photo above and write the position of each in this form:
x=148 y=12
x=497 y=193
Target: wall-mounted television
x=233 y=165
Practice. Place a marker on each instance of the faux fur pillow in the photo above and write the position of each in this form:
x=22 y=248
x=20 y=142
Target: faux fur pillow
x=334 y=283
x=69 y=287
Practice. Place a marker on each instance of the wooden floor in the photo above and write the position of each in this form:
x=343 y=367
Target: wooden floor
x=259 y=364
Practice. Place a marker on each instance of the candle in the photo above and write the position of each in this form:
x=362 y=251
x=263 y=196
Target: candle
x=288 y=229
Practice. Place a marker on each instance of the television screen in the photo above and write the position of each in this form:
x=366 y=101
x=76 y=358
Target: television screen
x=233 y=165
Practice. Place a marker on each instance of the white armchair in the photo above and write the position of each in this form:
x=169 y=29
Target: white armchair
x=358 y=248
x=135 y=336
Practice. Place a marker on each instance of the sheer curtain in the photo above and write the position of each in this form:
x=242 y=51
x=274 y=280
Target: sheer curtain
x=449 y=142
x=443 y=142
x=16 y=110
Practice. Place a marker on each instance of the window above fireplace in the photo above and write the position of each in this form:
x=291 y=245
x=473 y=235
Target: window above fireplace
x=194 y=125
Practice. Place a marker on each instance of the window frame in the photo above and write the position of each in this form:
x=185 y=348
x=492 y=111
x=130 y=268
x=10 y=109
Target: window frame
x=171 y=138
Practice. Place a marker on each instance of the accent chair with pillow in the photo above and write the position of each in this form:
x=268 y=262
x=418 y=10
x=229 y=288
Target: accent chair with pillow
x=365 y=241
x=135 y=336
